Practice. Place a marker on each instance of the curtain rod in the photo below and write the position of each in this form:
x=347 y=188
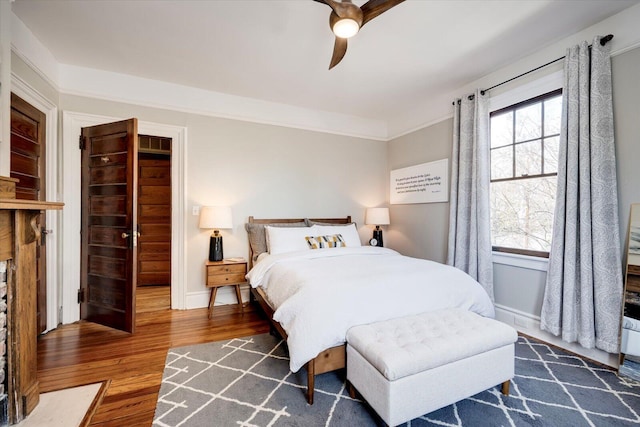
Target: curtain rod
x=603 y=41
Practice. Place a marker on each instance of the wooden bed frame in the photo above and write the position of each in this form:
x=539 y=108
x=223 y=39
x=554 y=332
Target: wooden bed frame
x=328 y=360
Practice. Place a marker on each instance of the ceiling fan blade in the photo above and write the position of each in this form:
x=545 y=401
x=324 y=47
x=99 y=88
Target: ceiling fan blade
x=336 y=6
x=373 y=8
x=339 y=49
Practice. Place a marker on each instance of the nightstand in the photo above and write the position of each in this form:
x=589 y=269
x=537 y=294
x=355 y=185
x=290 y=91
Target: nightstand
x=225 y=273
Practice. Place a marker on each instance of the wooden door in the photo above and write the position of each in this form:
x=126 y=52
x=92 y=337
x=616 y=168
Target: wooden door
x=109 y=224
x=28 y=125
x=154 y=219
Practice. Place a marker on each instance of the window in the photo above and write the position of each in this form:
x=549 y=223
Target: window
x=524 y=164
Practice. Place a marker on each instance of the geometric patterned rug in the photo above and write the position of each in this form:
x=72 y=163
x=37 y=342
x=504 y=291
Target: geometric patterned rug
x=247 y=382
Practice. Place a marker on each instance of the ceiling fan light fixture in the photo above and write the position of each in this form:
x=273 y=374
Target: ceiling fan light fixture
x=345 y=28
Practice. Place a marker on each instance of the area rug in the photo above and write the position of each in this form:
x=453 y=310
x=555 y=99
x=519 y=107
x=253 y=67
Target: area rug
x=247 y=382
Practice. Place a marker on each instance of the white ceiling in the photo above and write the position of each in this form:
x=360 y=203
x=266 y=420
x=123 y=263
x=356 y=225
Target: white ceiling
x=279 y=50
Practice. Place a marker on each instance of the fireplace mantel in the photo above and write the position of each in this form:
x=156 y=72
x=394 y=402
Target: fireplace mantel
x=19 y=236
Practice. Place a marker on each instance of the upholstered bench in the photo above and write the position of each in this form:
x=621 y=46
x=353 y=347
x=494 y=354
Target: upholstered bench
x=413 y=365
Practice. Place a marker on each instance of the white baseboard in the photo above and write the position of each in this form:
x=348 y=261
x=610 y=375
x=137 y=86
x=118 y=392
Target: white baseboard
x=226 y=295
x=530 y=325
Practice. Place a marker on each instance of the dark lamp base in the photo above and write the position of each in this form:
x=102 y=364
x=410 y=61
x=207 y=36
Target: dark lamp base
x=377 y=234
x=215 y=248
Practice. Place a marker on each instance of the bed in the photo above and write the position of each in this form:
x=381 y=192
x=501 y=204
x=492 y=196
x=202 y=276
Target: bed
x=312 y=297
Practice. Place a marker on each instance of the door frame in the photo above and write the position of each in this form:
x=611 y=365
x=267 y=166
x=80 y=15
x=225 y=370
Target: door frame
x=72 y=122
x=33 y=97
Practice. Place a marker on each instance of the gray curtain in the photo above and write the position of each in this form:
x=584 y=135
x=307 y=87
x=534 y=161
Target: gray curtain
x=469 y=221
x=583 y=292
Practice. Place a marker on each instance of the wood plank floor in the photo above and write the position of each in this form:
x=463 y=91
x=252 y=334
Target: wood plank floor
x=85 y=353
x=153 y=298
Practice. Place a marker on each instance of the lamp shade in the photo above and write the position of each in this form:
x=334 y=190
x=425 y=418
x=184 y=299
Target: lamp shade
x=377 y=216
x=215 y=217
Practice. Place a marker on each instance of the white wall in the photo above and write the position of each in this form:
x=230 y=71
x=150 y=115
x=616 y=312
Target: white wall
x=5 y=79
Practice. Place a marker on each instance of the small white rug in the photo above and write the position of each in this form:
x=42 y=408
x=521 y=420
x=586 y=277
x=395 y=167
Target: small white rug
x=62 y=408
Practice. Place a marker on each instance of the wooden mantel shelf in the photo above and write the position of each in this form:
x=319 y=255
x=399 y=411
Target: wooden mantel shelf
x=29 y=205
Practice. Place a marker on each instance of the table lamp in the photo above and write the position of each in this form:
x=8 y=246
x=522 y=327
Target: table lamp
x=215 y=217
x=377 y=217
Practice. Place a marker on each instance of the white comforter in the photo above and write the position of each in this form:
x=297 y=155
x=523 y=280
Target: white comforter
x=319 y=294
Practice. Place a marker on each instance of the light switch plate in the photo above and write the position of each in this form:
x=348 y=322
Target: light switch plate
x=195 y=210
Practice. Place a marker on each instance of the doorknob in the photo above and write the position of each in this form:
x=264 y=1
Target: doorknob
x=125 y=235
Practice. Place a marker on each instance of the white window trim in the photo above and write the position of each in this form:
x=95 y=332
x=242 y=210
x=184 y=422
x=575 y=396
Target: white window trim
x=522 y=261
x=527 y=91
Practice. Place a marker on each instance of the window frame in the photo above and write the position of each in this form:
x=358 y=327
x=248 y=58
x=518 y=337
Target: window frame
x=512 y=108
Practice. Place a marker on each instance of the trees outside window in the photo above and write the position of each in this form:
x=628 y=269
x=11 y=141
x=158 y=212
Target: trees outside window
x=524 y=164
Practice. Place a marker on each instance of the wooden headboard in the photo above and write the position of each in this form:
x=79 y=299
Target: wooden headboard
x=343 y=220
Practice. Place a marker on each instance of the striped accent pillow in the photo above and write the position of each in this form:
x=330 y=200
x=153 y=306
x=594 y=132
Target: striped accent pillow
x=333 y=241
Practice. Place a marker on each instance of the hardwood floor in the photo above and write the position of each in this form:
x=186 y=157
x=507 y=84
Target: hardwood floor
x=85 y=353
x=152 y=298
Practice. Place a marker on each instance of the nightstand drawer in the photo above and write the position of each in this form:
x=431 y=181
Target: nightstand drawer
x=223 y=279
x=226 y=269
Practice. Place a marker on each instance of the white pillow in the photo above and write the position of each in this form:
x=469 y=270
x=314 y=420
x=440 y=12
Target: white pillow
x=287 y=239
x=349 y=233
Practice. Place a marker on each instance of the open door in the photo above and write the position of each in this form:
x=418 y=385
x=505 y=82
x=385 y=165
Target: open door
x=109 y=224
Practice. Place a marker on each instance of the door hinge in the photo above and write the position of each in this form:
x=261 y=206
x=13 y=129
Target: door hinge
x=80 y=296
x=81 y=142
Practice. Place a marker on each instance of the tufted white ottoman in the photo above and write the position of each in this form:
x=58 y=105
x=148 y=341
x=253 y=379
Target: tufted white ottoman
x=413 y=365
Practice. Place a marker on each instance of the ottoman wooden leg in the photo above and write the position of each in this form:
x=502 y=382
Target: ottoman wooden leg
x=351 y=389
x=505 y=387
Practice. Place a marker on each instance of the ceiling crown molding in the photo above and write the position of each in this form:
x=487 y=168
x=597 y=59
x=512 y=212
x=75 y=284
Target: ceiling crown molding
x=158 y=94
x=30 y=50
x=80 y=81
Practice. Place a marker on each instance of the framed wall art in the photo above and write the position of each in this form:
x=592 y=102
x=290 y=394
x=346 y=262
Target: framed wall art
x=424 y=183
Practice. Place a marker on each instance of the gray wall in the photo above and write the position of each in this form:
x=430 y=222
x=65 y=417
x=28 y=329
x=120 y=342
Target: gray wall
x=421 y=230
x=626 y=114
x=260 y=170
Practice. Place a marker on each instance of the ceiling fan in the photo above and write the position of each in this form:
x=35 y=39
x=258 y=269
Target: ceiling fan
x=346 y=19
